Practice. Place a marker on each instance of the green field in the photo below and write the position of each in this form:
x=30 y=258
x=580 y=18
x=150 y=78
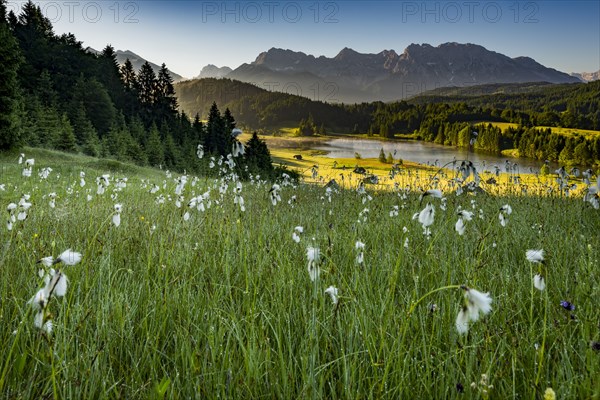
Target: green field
x=220 y=305
x=563 y=131
x=588 y=134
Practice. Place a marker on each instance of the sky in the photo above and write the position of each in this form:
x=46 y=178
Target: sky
x=187 y=35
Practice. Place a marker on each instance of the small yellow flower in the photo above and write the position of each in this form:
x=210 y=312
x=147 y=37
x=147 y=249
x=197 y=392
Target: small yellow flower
x=142 y=218
x=549 y=394
x=35 y=235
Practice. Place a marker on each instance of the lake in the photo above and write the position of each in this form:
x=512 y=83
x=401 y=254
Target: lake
x=422 y=152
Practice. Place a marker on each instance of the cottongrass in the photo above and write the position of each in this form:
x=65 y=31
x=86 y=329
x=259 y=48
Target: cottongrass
x=221 y=306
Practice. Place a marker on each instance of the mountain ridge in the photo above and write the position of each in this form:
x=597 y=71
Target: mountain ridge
x=387 y=75
x=137 y=61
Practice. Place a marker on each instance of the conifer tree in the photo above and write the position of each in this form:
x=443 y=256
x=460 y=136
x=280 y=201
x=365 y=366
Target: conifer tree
x=166 y=101
x=154 y=150
x=258 y=157
x=65 y=140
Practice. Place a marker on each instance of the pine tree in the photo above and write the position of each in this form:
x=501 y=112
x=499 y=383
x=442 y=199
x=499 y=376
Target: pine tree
x=166 y=101
x=228 y=120
x=128 y=76
x=82 y=127
x=154 y=150
x=146 y=84
x=65 y=140
x=99 y=108
x=10 y=99
x=172 y=157
x=215 y=141
x=130 y=87
x=258 y=157
x=382 y=156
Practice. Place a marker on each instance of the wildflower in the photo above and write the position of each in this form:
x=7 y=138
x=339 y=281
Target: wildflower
x=426 y=217
x=394 y=212
x=57 y=283
x=45 y=173
x=47 y=262
x=332 y=291
x=443 y=203
x=567 y=305
x=538 y=282
x=478 y=302
x=238 y=199
x=296 y=234
x=475 y=303
x=274 y=194
x=103 y=182
x=364 y=214
x=11 y=216
x=21 y=157
x=360 y=257
x=313 y=255
x=200 y=151
x=431 y=192
x=463 y=216
x=23 y=207
x=68 y=257
x=82 y=179
x=238 y=149
x=535 y=256
x=462 y=321
x=505 y=211
x=52 y=201
x=549 y=394
x=116 y=218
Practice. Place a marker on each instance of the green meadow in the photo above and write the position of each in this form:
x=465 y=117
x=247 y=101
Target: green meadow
x=180 y=301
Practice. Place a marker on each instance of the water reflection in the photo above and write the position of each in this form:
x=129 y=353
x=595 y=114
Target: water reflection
x=424 y=153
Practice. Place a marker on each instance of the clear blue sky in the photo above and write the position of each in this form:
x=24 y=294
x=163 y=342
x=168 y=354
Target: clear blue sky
x=187 y=35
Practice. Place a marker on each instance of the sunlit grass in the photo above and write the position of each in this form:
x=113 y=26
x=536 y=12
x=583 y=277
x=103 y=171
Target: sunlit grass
x=222 y=305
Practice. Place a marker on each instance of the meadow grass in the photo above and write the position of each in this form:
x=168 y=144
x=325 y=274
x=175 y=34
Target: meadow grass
x=221 y=305
x=568 y=132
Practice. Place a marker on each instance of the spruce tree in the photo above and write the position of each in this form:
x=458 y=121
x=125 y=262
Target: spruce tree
x=258 y=157
x=215 y=141
x=382 y=156
x=146 y=84
x=65 y=139
x=154 y=150
x=166 y=101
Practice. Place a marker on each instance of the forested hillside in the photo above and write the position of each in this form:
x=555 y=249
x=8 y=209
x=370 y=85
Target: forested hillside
x=54 y=94
x=448 y=116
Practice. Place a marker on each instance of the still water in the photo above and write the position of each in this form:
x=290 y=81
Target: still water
x=422 y=152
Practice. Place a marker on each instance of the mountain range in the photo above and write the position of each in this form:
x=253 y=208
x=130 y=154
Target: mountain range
x=137 y=62
x=212 y=71
x=587 y=76
x=353 y=77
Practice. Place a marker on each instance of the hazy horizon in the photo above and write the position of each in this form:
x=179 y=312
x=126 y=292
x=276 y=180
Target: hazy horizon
x=188 y=35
